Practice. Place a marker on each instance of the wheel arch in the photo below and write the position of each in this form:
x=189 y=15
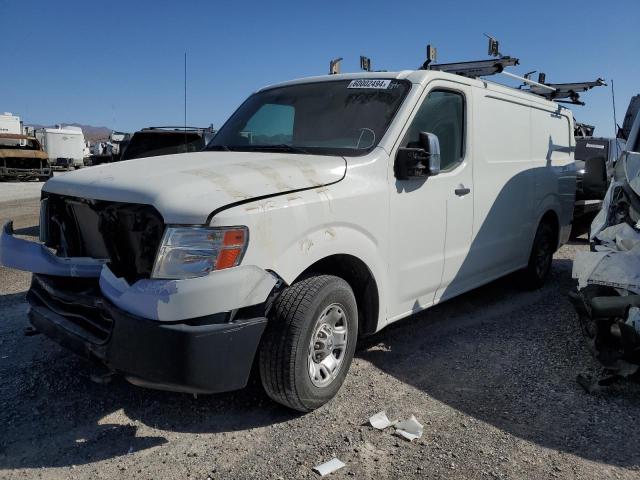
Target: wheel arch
x=361 y=280
x=552 y=217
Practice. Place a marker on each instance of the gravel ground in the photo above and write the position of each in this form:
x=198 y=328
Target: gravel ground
x=490 y=374
x=11 y=191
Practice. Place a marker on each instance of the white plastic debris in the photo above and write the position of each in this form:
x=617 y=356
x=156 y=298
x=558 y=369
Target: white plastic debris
x=622 y=237
x=329 y=467
x=616 y=263
x=380 y=420
x=409 y=429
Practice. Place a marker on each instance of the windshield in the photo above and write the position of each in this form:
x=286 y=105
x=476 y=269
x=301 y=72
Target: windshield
x=343 y=117
x=20 y=143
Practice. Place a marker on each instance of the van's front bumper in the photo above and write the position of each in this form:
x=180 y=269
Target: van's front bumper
x=192 y=335
x=153 y=299
x=205 y=355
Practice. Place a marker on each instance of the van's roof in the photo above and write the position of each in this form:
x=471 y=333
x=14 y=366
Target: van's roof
x=422 y=77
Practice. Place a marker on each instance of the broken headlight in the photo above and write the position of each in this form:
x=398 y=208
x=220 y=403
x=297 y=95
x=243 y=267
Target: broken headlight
x=188 y=252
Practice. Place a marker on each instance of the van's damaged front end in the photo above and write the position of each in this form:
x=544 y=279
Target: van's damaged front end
x=608 y=296
x=157 y=303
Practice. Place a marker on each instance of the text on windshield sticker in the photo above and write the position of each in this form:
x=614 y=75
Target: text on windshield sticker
x=369 y=83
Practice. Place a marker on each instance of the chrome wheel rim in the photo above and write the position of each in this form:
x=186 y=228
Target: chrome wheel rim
x=328 y=345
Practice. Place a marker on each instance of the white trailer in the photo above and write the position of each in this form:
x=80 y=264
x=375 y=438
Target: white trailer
x=64 y=146
x=10 y=123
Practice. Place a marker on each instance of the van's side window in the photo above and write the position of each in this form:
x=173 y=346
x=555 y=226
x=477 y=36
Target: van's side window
x=442 y=113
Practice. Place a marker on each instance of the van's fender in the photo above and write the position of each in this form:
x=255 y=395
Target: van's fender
x=289 y=233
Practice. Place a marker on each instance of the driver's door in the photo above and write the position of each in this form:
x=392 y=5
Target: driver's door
x=431 y=218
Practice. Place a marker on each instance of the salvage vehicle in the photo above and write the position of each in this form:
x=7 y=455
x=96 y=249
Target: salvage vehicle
x=22 y=158
x=156 y=141
x=607 y=298
x=323 y=210
x=110 y=150
x=64 y=146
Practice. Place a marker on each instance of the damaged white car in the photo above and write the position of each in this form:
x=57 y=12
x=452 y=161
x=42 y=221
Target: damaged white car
x=323 y=210
x=608 y=296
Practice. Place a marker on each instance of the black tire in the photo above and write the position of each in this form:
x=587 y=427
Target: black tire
x=285 y=347
x=544 y=246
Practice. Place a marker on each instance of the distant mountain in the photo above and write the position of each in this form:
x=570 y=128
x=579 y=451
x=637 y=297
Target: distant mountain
x=91 y=133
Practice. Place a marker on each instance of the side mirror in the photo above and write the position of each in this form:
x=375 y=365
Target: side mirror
x=594 y=181
x=418 y=162
x=431 y=144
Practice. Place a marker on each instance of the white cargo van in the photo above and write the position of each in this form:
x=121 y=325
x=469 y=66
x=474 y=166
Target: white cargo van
x=64 y=146
x=323 y=210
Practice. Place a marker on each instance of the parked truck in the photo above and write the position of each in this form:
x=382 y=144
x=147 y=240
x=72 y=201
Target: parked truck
x=323 y=210
x=158 y=141
x=64 y=146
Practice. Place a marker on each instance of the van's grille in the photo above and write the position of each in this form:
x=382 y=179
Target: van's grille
x=128 y=235
x=77 y=301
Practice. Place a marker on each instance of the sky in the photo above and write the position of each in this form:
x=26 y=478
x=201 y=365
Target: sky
x=120 y=64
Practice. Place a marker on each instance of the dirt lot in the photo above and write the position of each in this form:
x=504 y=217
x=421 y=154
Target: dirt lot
x=491 y=375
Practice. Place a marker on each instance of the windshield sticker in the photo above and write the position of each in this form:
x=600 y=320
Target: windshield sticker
x=366 y=83
x=592 y=145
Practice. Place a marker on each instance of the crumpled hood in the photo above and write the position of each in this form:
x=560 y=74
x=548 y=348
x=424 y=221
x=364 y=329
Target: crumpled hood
x=186 y=188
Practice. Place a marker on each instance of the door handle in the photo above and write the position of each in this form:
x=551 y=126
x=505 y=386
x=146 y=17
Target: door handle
x=462 y=191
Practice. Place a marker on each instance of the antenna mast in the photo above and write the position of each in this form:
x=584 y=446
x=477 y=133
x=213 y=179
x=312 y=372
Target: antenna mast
x=185 y=101
x=615 y=120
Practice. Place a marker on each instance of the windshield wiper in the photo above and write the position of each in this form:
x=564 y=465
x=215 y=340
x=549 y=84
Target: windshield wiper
x=280 y=147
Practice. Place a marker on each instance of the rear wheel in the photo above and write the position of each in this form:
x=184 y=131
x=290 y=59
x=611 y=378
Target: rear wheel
x=544 y=243
x=309 y=342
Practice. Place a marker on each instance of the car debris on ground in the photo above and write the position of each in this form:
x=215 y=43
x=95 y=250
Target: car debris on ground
x=409 y=429
x=329 y=467
x=380 y=421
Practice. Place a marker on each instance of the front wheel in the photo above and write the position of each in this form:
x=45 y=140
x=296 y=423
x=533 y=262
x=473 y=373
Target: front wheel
x=536 y=272
x=309 y=342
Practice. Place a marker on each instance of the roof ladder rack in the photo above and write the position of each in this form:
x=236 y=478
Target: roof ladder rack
x=563 y=92
x=473 y=69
